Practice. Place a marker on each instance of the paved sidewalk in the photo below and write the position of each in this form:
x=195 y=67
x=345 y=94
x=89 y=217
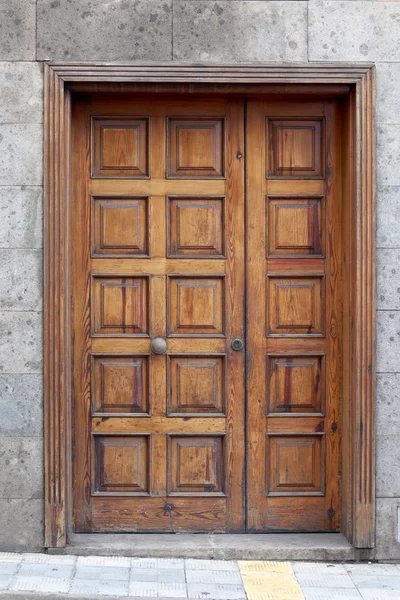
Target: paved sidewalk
x=40 y=576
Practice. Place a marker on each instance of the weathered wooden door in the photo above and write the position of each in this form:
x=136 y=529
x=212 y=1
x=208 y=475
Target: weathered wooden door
x=167 y=434
x=158 y=297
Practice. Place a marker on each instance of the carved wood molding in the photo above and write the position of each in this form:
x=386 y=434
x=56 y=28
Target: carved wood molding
x=59 y=79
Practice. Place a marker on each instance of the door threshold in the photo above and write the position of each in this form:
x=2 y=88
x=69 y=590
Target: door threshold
x=264 y=546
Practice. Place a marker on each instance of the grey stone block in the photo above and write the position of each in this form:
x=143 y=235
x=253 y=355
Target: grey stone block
x=388 y=154
x=21 y=525
x=21 y=467
x=21 y=217
x=21 y=98
x=388 y=404
x=387 y=341
x=388 y=279
x=21 y=279
x=21 y=405
x=21 y=344
x=387 y=92
x=387 y=546
x=388 y=216
x=354 y=31
x=387 y=466
x=21 y=154
x=17 y=29
x=227 y=31
x=117 y=30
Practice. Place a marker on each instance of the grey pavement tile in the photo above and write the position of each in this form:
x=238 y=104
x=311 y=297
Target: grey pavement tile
x=158 y=575
x=170 y=563
x=324 y=580
x=171 y=590
x=48 y=559
x=330 y=594
x=212 y=565
x=5 y=580
x=103 y=561
x=307 y=567
x=143 y=575
x=202 y=576
x=46 y=570
x=379 y=594
x=217 y=591
x=11 y=556
x=377 y=581
x=101 y=588
x=9 y=568
x=146 y=589
x=40 y=584
x=104 y=573
x=373 y=568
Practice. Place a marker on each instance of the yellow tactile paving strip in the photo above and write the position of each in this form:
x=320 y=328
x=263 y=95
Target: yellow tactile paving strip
x=269 y=580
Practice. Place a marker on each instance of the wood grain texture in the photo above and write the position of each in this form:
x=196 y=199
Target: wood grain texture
x=140 y=428
x=299 y=302
x=357 y=81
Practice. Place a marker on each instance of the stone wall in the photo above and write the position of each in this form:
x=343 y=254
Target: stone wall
x=226 y=31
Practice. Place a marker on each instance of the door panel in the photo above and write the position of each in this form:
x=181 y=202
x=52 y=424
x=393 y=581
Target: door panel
x=158 y=252
x=294 y=289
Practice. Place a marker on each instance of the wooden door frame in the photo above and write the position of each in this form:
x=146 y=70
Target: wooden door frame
x=358 y=82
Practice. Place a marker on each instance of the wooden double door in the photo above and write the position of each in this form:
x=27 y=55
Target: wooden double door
x=206 y=314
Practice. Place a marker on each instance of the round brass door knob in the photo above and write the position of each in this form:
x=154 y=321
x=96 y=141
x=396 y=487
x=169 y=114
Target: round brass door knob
x=159 y=345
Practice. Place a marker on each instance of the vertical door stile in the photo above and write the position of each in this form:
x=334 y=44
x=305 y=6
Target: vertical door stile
x=256 y=318
x=235 y=303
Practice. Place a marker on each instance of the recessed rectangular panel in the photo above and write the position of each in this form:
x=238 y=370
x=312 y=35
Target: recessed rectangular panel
x=120 y=147
x=195 y=147
x=196 y=465
x=196 y=226
x=296 y=384
x=295 y=465
x=120 y=226
x=120 y=384
x=196 y=306
x=121 y=464
x=120 y=306
x=294 y=226
x=295 y=147
x=196 y=385
x=295 y=306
